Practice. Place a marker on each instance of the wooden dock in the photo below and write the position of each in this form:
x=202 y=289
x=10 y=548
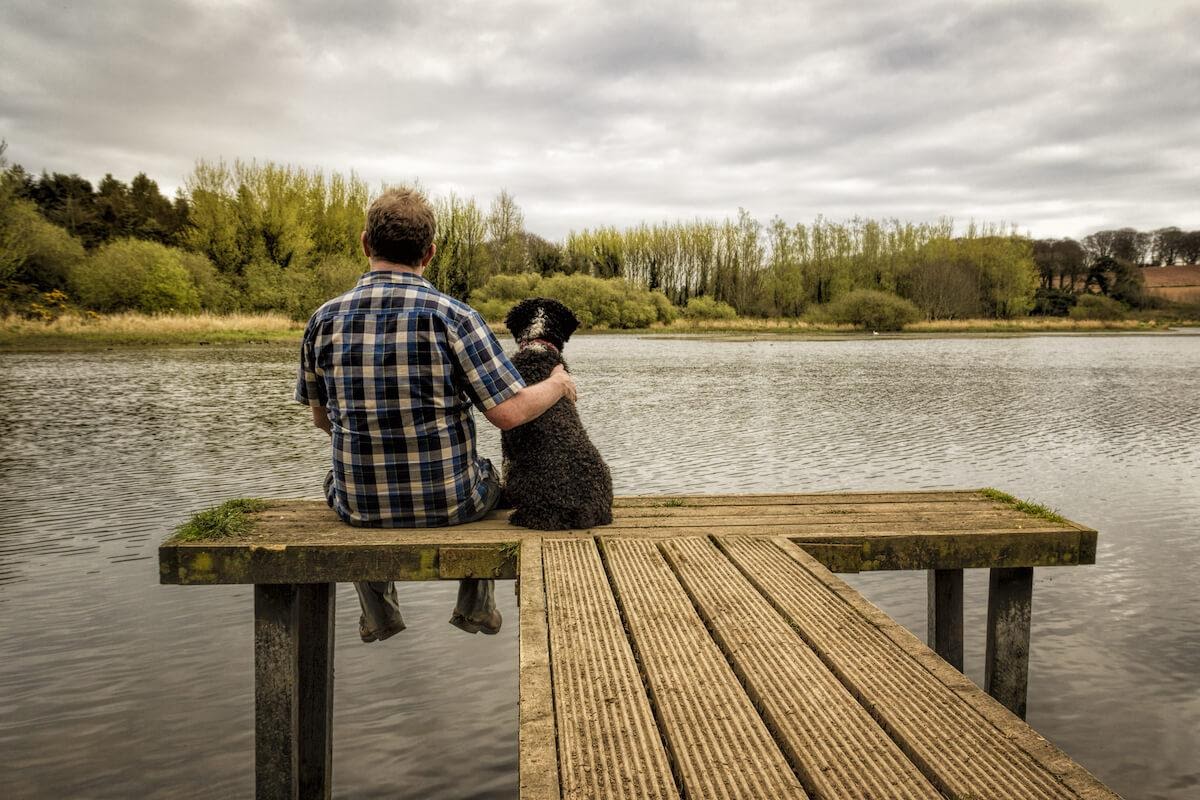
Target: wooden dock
x=699 y=647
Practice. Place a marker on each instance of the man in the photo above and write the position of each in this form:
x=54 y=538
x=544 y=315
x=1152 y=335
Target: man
x=391 y=369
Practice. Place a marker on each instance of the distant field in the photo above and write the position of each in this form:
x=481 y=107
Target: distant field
x=1180 y=284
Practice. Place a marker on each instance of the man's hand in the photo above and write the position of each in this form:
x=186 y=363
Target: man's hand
x=532 y=401
x=566 y=381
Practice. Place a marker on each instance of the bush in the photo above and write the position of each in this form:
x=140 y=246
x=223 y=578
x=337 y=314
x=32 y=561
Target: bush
x=872 y=310
x=35 y=252
x=215 y=293
x=1095 y=306
x=135 y=275
x=708 y=308
x=610 y=303
x=1053 y=303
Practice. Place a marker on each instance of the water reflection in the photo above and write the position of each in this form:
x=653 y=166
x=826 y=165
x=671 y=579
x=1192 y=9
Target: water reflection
x=112 y=686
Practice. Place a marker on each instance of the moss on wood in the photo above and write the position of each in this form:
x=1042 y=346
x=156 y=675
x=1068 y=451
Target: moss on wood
x=221 y=522
x=1033 y=509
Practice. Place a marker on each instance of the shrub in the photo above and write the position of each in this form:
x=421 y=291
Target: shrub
x=135 y=275
x=610 y=303
x=214 y=291
x=35 y=252
x=1053 y=303
x=874 y=311
x=1095 y=306
x=708 y=308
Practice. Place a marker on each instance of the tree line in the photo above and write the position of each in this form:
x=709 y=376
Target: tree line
x=250 y=236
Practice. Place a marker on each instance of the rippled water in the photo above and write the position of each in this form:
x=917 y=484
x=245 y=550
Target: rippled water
x=113 y=686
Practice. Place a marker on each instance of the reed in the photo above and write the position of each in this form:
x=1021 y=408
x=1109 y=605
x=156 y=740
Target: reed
x=96 y=330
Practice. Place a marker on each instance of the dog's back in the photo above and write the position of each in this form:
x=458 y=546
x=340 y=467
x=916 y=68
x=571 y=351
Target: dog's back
x=554 y=476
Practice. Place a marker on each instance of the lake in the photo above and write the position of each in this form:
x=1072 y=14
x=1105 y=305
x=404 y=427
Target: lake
x=112 y=686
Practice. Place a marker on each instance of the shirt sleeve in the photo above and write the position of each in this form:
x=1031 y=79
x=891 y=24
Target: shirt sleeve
x=489 y=376
x=310 y=385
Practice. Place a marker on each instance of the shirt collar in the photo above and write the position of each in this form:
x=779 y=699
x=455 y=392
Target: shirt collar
x=392 y=276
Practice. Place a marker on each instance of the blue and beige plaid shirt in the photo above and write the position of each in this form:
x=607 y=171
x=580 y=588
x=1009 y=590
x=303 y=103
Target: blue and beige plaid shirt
x=398 y=365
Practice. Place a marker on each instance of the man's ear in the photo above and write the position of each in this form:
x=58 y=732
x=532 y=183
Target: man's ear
x=429 y=256
x=366 y=248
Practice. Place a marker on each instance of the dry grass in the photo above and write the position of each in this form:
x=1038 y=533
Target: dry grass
x=1026 y=324
x=95 y=330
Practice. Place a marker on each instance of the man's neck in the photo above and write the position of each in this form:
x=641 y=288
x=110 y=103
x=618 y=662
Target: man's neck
x=379 y=265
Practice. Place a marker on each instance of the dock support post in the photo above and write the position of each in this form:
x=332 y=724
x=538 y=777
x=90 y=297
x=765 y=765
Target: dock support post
x=293 y=690
x=1006 y=664
x=944 y=631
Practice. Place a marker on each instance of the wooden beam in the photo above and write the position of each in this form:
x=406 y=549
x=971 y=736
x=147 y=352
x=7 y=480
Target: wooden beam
x=315 y=631
x=293 y=690
x=276 y=692
x=1006 y=663
x=944 y=614
x=538 y=766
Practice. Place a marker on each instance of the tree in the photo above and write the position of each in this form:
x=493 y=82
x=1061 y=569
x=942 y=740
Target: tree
x=506 y=231
x=1166 y=246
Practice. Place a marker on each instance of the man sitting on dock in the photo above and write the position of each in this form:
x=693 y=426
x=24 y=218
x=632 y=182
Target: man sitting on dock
x=391 y=369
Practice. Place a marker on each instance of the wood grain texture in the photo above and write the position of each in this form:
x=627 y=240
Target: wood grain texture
x=538 y=766
x=719 y=744
x=609 y=745
x=838 y=750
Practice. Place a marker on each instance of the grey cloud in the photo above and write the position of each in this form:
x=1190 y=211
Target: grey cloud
x=1055 y=115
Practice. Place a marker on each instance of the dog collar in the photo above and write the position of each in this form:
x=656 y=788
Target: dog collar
x=543 y=342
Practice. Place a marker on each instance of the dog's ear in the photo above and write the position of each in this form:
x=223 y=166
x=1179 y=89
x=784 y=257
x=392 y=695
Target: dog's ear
x=521 y=316
x=562 y=320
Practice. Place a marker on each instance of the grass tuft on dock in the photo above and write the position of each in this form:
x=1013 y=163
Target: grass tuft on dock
x=1033 y=509
x=220 y=522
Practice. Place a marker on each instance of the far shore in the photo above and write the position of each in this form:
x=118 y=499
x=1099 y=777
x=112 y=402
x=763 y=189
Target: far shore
x=92 y=331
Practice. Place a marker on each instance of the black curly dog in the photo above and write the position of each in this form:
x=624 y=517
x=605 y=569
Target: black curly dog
x=553 y=474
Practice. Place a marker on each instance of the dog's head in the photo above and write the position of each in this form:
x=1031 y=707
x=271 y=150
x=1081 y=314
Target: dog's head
x=541 y=318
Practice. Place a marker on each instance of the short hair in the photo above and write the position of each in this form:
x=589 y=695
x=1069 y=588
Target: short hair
x=400 y=226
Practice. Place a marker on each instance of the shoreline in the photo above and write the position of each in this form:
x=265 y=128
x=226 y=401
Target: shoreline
x=139 y=331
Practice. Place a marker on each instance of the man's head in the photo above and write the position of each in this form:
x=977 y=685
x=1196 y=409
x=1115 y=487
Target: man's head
x=400 y=228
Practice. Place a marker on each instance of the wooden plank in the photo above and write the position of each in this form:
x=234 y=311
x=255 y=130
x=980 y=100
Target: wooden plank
x=315 y=618
x=763 y=498
x=985 y=518
x=538 y=770
x=944 y=615
x=1053 y=760
x=718 y=742
x=1006 y=661
x=276 y=692
x=952 y=744
x=608 y=742
x=810 y=509
x=830 y=740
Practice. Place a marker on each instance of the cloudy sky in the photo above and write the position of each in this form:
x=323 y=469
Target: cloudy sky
x=1063 y=117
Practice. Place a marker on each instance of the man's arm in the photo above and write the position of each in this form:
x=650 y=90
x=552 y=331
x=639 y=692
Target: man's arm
x=321 y=419
x=529 y=403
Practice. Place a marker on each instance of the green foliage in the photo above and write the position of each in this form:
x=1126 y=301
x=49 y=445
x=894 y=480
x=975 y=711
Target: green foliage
x=1033 y=509
x=34 y=252
x=1053 y=303
x=134 y=275
x=708 y=308
x=1094 y=306
x=872 y=310
x=221 y=522
x=609 y=303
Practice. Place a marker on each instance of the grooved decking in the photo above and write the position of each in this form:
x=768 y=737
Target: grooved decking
x=608 y=743
x=773 y=662
x=719 y=742
x=963 y=755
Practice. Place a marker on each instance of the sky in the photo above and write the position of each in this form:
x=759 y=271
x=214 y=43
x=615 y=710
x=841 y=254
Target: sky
x=1061 y=117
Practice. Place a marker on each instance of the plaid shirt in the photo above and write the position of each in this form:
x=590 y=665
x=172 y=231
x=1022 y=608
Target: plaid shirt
x=397 y=365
